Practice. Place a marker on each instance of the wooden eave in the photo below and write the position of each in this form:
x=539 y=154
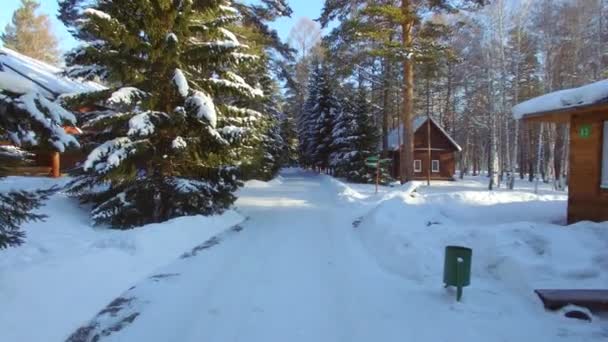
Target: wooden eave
x=564 y=115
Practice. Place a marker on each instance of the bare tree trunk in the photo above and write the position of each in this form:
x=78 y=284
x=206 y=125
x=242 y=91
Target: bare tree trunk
x=408 y=93
x=385 y=102
x=493 y=146
x=539 y=158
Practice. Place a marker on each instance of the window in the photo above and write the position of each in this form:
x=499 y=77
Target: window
x=417 y=165
x=604 y=183
x=435 y=166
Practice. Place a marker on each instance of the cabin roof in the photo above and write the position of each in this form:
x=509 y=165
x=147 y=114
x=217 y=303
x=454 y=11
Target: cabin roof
x=21 y=74
x=563 y=102
x=395 y=134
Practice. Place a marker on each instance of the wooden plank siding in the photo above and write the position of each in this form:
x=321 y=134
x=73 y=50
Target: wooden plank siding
x=586 y=199
x=447 y=164
x=441 y=149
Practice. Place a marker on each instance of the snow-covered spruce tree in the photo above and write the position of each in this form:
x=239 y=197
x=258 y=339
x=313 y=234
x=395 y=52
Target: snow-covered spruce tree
x=354 y=139
x=342 y=143
x=307 y=120
x=269 y=140
x=177 y=124
x=26 y=119
x=270 y=151
x=317 y=119
x=325 y=113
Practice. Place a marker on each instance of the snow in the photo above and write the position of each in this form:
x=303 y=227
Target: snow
x=67 y=270
x=125 y=96
x=109 y=154
x=229 y=9
x=53 y=118
x=180 y=82
x=179 y=143
x=586 y=95
x=321 y=260
x=97 y=13
x=171 y=37
x=185 y=185
x=15 y=83
x=202 y=105
x=141 y=125
x=235 y=81
x=14 y=152
x=22 y=74
x=306 y=257
x=229 y=35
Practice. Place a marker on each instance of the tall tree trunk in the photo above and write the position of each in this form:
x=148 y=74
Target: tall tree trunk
x=539 y=158
x=408 y=93
x=493 y=163
x=385 y=104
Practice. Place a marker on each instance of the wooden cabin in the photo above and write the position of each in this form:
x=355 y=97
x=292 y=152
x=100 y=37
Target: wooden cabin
x=585 y=109
x=443 y=148
x=50 y=83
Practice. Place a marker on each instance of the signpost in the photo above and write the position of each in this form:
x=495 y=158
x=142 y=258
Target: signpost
x=375 y=162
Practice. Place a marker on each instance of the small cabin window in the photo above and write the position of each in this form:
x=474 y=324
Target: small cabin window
x=435 y=166
x=604 y=183
x=417 y=165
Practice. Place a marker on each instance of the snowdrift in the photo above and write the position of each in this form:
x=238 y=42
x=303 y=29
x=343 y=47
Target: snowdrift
x=516 y=248
x=513 y=238
x=67 y=270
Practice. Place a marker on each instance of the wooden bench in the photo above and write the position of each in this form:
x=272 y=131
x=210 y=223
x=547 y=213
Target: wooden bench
x=594 y=300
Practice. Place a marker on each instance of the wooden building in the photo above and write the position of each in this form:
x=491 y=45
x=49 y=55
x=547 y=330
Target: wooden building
x=47 y=80
x=585 y=109
x=443 y=148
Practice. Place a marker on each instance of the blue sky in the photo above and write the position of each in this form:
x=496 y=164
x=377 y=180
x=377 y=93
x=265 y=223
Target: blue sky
x=301 y=8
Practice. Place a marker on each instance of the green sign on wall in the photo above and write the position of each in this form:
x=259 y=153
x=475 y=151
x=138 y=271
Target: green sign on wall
x=584 y=131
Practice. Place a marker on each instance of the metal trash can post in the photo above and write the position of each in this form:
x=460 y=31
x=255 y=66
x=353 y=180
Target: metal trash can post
x=457 y=268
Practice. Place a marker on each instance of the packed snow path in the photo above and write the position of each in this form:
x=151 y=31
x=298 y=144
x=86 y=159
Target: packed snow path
x=293 y=273
x=296 y=270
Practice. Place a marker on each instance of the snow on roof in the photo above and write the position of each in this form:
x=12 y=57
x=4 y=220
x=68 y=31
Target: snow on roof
x=568 y=98
x=395 y=135
x=21 y=74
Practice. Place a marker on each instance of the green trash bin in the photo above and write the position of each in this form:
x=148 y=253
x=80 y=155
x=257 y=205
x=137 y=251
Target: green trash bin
x=457 y=268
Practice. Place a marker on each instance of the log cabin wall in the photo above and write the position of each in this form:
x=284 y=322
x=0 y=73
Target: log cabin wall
x=447 y=165
x=438 y=139
x=441 y=149
x=586 y=199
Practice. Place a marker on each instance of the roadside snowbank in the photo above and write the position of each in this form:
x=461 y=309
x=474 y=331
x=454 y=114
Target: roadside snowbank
x=342 y=192
x=67 y=270
x=516 y=249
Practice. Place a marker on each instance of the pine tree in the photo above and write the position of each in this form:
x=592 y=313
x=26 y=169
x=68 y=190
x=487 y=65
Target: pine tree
x=179 y=122
x=325 y=111
x=26 y=119
x=307 y=136
x=31 y=34
x=355 y=139
x=381 y=22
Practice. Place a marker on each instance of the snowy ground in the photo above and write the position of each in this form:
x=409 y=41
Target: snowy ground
x=67 y=270
x=316 y=260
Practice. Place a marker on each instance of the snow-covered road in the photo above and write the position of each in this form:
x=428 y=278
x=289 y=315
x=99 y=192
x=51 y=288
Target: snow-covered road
x=296 y=270
x=293 y=273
